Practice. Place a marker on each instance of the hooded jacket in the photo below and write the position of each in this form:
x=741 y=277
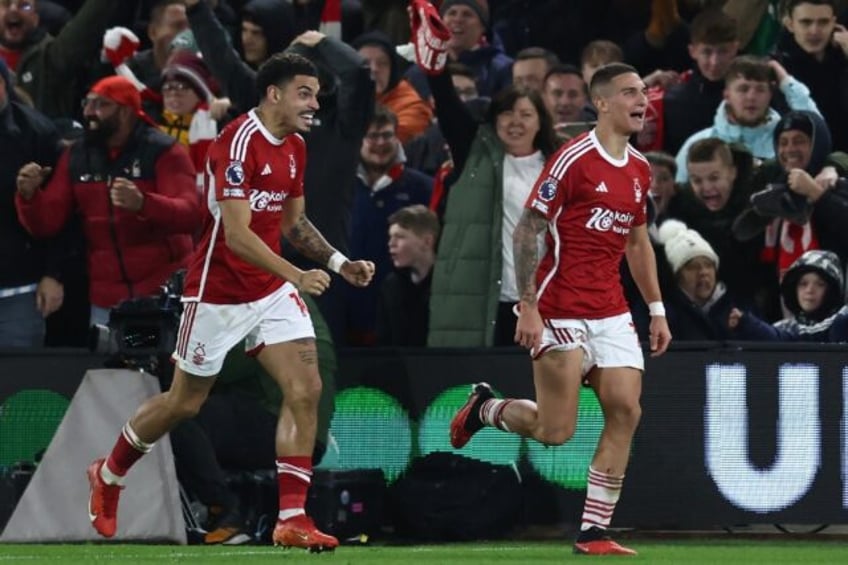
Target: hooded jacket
x=413 y=113
x=826 y=324
x=276 y=20
x=757 y=139
x=830 y=211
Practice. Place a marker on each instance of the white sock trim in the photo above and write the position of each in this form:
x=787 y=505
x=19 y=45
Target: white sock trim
x=109 y=477
x=289 y=513
x=134 y=440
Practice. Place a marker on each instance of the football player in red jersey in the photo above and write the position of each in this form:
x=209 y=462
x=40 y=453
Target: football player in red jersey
x=591 y=200
x=238 y=287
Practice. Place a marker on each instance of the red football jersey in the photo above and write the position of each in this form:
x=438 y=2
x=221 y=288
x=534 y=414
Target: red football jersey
x=591 y=201
x=245 y=162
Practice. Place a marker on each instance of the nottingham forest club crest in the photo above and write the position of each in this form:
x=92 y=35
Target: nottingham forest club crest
x=637 y=191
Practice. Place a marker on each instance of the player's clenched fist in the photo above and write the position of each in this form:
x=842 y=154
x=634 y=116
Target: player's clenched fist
x=313 y=282
x=30 y=177
x=357 y=273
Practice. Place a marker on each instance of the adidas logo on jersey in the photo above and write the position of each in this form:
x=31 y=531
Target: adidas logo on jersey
x=266 y=170
x=601 y=187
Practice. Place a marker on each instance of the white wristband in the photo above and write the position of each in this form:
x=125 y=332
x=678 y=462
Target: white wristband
x=336 y=261
x=656 y=308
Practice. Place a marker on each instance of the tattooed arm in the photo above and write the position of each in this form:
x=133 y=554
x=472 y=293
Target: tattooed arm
x=300 y=232
x=306 y=238
x=525 y=242
x=243 y=242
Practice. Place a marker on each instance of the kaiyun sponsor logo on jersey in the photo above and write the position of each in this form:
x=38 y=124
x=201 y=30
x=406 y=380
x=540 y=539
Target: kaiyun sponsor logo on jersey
x=266 y=200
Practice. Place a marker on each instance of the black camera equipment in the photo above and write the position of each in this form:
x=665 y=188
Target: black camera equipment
x=142 y=332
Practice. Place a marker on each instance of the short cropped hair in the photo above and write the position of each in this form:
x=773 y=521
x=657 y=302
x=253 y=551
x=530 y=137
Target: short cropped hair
x=280 y=68
x=457 y=69
x=157 y=12
x=705 y=150
x=713 y=26
x=790 y=5
x=383 y=117
x=604 y=76
x=750 y=67
x=537 y=53
x=418 y=219
x=662 y=159
x=601 y=52
x=563 y=69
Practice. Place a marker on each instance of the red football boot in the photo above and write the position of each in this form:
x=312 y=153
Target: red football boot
x=467 y=420
x=595 y=541
x=102 y=502
x=300 y=531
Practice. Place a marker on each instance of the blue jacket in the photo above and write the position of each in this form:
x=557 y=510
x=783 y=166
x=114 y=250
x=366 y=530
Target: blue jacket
x=369 y=234
x=759 y=140
x=829 y=323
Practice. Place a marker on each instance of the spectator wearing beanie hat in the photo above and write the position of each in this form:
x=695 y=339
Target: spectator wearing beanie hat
x=133 y=188
x=699 y=305
x=190 y=108
x=468 y=22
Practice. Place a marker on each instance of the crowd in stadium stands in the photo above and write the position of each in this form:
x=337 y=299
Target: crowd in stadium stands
x=748 y=113
x=426 y=174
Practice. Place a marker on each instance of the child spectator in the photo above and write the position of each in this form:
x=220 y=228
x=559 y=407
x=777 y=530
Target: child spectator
x=403 y=309
x=812 y=292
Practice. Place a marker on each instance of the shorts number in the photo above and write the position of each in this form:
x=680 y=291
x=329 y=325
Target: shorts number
x=300 y=303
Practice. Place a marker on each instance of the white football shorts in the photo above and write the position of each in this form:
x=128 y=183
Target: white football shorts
x=208 y=331
x=607 y=342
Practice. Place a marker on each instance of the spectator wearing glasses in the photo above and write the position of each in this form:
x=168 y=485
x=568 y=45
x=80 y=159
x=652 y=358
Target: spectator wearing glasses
x=49 y=68
x=134 y=188
x=384 y=185
x=190 y=106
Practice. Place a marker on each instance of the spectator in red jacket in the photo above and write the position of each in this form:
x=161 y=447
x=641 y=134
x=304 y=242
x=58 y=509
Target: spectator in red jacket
x=134 y=188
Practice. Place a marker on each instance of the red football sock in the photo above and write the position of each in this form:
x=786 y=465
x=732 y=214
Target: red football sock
x=294 y=475
x=128 y=449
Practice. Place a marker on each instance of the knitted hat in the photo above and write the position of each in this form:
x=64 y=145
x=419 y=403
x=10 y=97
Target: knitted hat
x=683 y=244
x=480 y=7
x=814 y=127
x=123 y=92
x=188 y=66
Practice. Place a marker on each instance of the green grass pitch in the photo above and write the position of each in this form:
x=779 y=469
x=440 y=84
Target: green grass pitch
x=707 y=551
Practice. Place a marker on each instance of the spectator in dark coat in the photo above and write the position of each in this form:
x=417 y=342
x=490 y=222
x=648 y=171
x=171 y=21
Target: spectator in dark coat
x=403 y=310
x=50 y=68
x=468 y=22
x=699 y=305
x=30 y=287
x=717 y=194
x=801 y=202
x=813 y=294
x=383 y=185
x=815 y=51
